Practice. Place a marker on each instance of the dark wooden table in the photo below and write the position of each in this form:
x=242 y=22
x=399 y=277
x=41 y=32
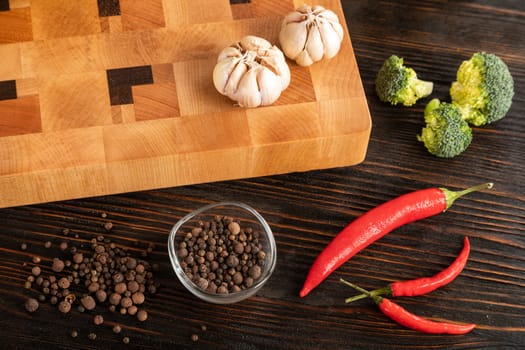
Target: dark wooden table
x=305 y=210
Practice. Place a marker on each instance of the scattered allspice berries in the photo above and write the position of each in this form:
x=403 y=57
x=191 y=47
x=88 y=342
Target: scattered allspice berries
x=88 y=277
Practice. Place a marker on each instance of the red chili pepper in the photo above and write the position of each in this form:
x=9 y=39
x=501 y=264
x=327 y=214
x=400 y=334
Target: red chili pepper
x=376 y=223
x=405 y=318
x=423 y=285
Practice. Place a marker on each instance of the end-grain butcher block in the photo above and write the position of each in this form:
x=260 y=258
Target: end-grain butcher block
x=111 y=96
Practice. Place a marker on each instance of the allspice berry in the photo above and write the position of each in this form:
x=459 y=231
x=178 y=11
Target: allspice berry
x=234 y=228
x=36 y=270
x=31 y=305
x=255 y=272
x=58 y=265
x=64 y=283
x=142 y=315
x=101 y=295
x=126 y=302
x=138 y=298
x=120 y=288
x=132 y=310
x=64 y=306
x=78 y=258
x=88 y=302
x=115 y=298
x=133 y=286
x=98 y=319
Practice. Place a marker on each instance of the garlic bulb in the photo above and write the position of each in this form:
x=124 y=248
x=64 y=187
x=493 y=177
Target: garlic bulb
x=252 y=72
x=309 y=34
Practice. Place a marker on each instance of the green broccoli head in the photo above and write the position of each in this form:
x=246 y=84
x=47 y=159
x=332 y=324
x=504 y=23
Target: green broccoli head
x=484 y=89
x=446 y=133
x=396 y=83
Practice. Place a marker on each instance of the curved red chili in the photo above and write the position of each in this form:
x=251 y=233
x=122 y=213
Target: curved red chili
x=376 y=223
x=423 y=285
x=405 y=318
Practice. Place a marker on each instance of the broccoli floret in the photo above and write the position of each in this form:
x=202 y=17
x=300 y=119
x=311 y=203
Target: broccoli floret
x=396 y=83
x=446 y=133
x=483 y=90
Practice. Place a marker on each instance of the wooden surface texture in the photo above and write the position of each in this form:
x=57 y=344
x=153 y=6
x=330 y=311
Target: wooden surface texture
x=304 y=209
x=128 y=99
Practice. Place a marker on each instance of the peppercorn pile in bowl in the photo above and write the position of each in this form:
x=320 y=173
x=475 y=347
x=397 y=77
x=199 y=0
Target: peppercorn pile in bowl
x=223 y=253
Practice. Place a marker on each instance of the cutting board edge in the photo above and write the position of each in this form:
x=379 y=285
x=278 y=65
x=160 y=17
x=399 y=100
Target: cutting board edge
x=99 y=180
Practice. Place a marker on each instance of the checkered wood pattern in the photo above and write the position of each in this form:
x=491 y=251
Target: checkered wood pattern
x=110 y=96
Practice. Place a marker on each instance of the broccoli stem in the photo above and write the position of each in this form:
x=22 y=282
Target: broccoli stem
x=423 y=88
x=433 y=104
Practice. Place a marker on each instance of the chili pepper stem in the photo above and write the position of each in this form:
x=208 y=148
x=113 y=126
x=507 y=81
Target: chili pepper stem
x=375 y=292
x=376 y=298
x=451 y=196
x=356 y=298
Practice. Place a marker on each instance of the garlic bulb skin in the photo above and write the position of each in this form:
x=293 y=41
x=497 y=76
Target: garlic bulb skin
x=310 y=34
x=251 y=72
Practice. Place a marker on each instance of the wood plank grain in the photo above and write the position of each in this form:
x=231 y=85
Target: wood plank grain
x=140 y=15
x=15 y=25
x=181 y=13
x=12 y=67
x=74 y=101
x=20 y=116
x=63 y=18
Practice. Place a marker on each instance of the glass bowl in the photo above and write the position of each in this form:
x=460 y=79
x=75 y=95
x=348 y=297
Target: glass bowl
x=218 y=253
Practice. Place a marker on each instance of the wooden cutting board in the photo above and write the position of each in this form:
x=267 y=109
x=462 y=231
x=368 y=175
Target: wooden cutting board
x=110 y=96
